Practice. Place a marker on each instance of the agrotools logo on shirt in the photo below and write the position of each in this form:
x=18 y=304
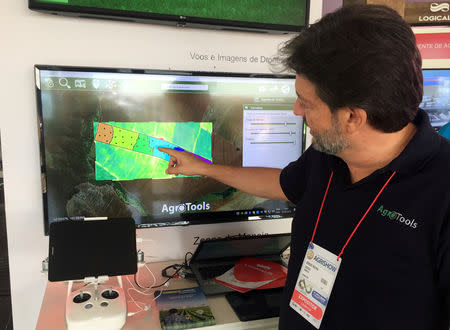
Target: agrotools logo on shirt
x=397 y=216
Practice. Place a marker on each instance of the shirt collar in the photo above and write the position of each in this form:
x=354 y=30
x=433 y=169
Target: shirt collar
x=420 y=149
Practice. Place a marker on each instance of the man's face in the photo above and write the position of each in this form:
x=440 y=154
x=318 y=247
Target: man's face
x=324 y=126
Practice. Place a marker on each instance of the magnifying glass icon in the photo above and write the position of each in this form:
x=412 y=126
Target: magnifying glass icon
x=63 y=82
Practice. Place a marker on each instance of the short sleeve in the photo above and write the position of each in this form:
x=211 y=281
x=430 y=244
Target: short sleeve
x=293 y=177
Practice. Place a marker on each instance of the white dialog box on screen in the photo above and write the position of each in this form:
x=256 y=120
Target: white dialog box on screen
x=271 y=129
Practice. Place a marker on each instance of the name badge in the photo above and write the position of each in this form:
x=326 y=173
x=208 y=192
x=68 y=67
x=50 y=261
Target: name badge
x=314 y=284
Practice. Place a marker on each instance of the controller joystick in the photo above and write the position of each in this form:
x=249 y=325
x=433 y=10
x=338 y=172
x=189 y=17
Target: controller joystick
x=96 y=307
x=110 y=294
x=81 y=297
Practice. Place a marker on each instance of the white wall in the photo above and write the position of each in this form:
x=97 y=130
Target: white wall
x=28 y=38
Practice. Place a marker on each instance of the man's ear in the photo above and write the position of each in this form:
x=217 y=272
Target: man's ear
x=352 y=119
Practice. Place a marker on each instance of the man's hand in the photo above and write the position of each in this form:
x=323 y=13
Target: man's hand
x=183 y=162
x=259 y=181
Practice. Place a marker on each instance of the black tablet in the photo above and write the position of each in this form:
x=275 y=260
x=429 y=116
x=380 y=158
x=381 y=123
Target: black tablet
x=80 y=249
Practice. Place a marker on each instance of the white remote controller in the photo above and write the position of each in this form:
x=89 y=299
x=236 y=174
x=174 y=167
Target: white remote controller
x=102 y=308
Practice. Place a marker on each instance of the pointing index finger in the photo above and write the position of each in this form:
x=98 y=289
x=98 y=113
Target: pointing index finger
x=167 y=150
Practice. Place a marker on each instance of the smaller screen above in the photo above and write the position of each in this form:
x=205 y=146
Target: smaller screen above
x=280 y=15
x=436 y=96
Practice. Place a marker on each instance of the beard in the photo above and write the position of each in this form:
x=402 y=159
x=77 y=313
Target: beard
x=331 y=141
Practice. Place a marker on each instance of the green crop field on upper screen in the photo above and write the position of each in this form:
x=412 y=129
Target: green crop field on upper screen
x=284 y=12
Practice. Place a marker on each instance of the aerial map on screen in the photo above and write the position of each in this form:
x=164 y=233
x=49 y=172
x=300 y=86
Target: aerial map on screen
x=100 y=133
x=129 y=151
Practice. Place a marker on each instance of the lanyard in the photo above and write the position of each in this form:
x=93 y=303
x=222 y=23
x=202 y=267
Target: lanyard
x=367 y=211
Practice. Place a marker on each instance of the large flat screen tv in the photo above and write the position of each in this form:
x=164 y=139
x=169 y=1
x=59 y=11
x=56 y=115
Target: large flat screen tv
x=250 y=15
x=100 y=129
x=436 y=96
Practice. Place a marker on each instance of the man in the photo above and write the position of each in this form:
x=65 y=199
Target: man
x=373 y=194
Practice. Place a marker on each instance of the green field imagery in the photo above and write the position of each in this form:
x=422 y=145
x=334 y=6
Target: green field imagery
x=195 y=317
x=128 y=150
x=286 y=12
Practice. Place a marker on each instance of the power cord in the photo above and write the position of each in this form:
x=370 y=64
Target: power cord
x=178 y=268
x=146 y=307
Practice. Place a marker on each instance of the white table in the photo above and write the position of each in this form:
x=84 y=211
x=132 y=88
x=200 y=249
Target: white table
x=52 y=314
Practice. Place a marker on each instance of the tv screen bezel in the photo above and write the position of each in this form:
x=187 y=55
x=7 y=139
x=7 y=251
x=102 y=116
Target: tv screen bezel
x=165 y=19
x=193 y=219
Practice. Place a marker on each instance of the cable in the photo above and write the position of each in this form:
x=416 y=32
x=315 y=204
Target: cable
x=133 y=288
x=153 y=275
x=177 y=268
x=150 y=286
x=141 y=309
x=169 y=278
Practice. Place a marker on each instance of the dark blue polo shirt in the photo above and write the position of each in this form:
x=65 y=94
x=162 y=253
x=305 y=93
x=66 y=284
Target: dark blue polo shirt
x=395 y=271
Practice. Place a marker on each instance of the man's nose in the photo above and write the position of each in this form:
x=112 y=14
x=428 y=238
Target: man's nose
x=298 y=109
